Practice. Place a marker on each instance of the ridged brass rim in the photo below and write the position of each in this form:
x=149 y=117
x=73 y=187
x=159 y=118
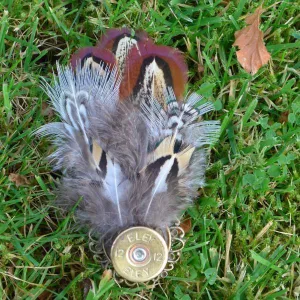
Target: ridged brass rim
x=139 y=254
x=174 y=239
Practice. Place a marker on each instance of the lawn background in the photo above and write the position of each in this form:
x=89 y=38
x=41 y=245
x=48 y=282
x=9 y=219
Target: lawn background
x=243 y=243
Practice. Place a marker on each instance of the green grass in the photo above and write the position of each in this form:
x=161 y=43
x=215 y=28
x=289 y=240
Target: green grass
x=244 y=242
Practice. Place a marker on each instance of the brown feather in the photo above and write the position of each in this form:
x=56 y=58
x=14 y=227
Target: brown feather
x=153 y=68
x=94 y=57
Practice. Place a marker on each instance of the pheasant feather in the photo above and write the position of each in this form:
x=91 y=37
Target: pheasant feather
x=137 y=162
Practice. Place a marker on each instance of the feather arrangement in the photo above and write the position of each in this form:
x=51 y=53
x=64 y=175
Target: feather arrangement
x=132 y=149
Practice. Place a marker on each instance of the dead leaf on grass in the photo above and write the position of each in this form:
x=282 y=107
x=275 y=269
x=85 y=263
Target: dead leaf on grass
x=186 y=225
x=253 y=53
x=18 y=179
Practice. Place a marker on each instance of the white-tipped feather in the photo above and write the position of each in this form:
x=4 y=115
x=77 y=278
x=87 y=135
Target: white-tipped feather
x=73 y=95
x=124 y=46
x=102 y=86
x=115 y=185
x=179 y=124
x=181 y=119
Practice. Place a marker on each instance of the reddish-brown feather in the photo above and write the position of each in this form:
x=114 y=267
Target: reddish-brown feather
x=172 y=65
x=170 y=69
x=99 y=55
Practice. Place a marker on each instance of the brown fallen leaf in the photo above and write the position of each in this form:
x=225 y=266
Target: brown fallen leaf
x=253 y=53
x=186 y=225
x=18 y=179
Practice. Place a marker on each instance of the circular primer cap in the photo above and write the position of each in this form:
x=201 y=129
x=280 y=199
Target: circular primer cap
x=139 y=254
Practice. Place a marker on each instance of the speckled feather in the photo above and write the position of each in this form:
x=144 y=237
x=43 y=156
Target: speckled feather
x=125 y=164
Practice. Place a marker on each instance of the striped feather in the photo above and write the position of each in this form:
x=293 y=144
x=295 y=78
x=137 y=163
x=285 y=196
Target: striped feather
x=120 y=42
x=152 y=69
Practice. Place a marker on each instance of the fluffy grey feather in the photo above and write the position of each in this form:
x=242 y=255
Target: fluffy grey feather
x=123 y=133
x=126 y=165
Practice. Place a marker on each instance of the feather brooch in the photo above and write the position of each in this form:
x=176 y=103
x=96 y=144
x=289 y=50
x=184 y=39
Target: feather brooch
x=131 y=148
